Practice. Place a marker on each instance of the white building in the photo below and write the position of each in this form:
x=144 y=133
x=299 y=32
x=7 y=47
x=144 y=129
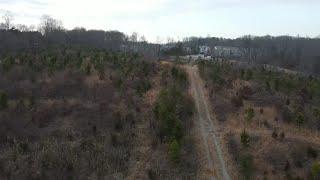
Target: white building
x=167 y=46
x=226 y=51
x=196 y=57
x=193 y=57
x=204 y=49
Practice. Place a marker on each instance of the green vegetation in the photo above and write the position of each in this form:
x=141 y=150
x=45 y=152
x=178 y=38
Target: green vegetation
x=246 y=166
x=7 y=63
x=316 y=113
x=300 y=119
x=249 y=114
x=166 y=112
x=290 y=88
x=245 y=139
x=95 y=92
x=3 y=100
x=285 y=83
x=174 y=151
x=172 y=109
x=179 y=76
x=215 y=73
x=312 y=153
x=291 y=97
x=246 y=74
x=315 y=170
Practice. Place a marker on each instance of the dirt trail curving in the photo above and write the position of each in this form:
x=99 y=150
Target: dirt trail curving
x=211 y=143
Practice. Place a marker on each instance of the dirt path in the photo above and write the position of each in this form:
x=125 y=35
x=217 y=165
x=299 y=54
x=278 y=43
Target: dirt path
x=211 y=143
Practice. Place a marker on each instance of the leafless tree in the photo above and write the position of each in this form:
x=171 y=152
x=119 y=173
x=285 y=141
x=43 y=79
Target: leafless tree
x=158 y=42
x=2 y=26
x=22 y=27
x=49 y=24
x=143 y=39
x=7 y=18
x=134 y=37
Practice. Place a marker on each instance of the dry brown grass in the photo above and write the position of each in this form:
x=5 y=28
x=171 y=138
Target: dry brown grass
x=279 y=148
x=89 y=128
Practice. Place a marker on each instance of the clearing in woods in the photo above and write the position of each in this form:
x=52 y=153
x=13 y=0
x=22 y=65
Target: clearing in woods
x=212 y=149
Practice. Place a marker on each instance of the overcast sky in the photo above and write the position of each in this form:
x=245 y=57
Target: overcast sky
x=177 y=18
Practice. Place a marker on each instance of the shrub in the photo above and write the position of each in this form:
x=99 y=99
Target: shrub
x=248 y=75
x=216 y=76
x=7 y=63
x=30 y=101
x=3 y=100
x=288 y=102
x=118 y=83
x=242 y=73
x=179 y=76
x=22 y=147
x=300 y=119
x=151 y=174
x=99 y=67
x=316 y=113
x=276 y=84
x=246 y=166
x=282 y=136
x=287 y=114
x=274 y=134
x=312 y=153
x=142 y=87
x=268 y=88
x=245 y=139
x=237 y=101
x=249 y=114
x=245 y=92
x=315 y=170
x=166 y=112
x=88 y=69
x=287 y=166
x=174 y=151
x=261 y=110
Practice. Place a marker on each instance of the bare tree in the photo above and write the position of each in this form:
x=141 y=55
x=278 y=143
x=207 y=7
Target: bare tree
x=22 y=27
x=49 y=24
x=32 y=28
x=2 y=26
x=7 y=18
x=143 y=39
x=134 y=39
x=158 y=42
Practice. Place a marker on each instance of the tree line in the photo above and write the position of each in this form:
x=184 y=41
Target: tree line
x=298 y=53
x=51 y=33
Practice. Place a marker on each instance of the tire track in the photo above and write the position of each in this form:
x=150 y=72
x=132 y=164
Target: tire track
x=211 y=142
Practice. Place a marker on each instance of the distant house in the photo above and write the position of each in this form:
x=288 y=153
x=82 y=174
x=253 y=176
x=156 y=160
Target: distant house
x=204 y=50
x=226 y=51
x=167 y=46
x=187 y=50
x=208 y=58
x=196 y=57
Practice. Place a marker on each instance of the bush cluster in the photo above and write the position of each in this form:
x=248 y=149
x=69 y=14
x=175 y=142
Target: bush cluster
x=3 y=100
x=171 y=109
